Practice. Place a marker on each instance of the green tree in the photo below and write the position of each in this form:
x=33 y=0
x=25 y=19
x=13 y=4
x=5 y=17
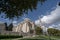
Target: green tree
x=6 y=28
x=16 y=8
x=53 y=32
x=10 y=27
x=38 y=30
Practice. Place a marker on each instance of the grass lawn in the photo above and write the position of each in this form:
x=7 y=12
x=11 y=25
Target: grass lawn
x=41 y=37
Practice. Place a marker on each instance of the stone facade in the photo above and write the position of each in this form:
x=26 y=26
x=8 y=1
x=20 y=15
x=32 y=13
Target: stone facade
x=25 y=27
x=9 y=33
x=2 y=27
x=4 y=32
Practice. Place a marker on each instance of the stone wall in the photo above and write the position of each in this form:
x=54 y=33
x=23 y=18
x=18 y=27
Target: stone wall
x=25 y=27
x=9 y=33
x=2 y=27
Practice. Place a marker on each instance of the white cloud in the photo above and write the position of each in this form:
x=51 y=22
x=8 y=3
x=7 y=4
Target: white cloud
x=52 y=18
x=37 y=22
x=55 y=26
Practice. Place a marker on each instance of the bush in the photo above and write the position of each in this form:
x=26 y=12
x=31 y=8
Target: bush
x=37 y=39
x=10 y=36
x=53 y=32
x=38 y=30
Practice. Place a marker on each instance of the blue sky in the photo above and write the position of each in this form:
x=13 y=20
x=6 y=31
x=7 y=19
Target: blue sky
x=44 y=9
x=51 y=14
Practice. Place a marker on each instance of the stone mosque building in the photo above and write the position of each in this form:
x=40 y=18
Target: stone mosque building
x=2 y=26
x=25 y=27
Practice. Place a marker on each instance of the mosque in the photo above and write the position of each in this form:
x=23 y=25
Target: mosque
x=26 y=27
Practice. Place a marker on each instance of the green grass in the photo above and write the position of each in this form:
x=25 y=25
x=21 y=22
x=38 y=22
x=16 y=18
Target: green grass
x=41 y=37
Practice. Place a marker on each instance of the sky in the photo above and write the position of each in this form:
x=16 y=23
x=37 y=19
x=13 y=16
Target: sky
x=52 y=17
x=44 y=9
x=49 y=13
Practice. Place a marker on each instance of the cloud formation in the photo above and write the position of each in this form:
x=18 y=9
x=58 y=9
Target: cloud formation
x=55 y=26
x=52 y=18
x=37 y=22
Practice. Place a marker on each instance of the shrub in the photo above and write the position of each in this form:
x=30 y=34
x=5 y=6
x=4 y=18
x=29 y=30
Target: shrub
x=53 y=32
x=38 y=30
x=10 y=36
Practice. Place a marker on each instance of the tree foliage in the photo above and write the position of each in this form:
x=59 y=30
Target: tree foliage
x=16 y=8
x=6 y=28
x=38 y=30
x=53 y=32
x=10 y=27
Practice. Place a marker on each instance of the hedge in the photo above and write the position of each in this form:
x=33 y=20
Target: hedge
x=10 y=36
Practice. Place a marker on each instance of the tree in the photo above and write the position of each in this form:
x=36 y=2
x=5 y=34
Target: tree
x=53 y=32
x=16 y=8
x=38 y=30
x=10 y=27
x=6 y=28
